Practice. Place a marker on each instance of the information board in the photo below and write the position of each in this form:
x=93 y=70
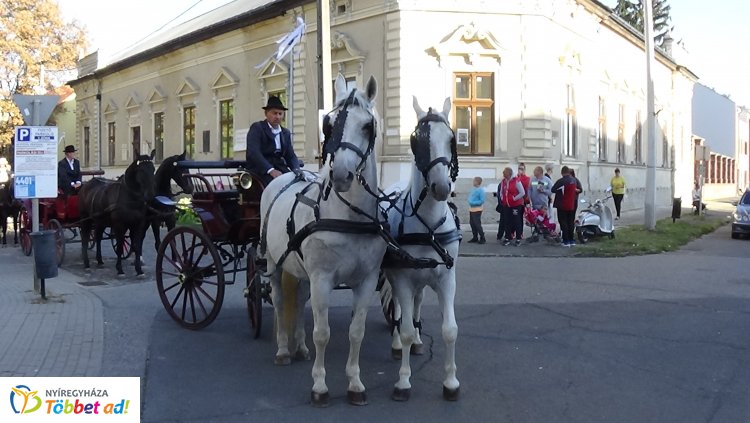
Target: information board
x=35 y=162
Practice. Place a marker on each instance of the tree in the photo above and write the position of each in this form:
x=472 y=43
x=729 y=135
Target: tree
x=632 y=12
x=34 y=41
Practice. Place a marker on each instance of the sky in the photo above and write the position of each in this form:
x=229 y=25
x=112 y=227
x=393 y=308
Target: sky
x=713 y=32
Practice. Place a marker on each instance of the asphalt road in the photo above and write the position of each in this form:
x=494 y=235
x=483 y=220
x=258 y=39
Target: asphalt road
x=638 y=339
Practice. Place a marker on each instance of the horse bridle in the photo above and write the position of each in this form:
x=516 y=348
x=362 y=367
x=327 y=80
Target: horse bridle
x=333 y=135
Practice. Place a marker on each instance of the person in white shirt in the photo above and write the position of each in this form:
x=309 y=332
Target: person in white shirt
x=69 y=172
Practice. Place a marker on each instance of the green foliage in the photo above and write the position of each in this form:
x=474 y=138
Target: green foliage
x=33 y=36
x=632 y=12
x=668 y=236
x=185 y=213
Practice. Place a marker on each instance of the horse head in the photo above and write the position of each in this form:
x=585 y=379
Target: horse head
x=433 y=144
x=350 y=131
x=139 y=176
x=169 y=171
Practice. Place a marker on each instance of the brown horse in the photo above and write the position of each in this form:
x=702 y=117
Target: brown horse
x=122 y=205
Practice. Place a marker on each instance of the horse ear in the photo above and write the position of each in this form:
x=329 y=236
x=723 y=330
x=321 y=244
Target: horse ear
x=340 y=88
x=372 y=88
x=417 y=108
x=136 y=154
x=182 y=156
x=447 y=107
x=153 y=154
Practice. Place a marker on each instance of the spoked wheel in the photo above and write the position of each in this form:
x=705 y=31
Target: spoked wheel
x=254 y=296
x=24 y=226
x=56 y=226
x=126 y=251
x=190 y=277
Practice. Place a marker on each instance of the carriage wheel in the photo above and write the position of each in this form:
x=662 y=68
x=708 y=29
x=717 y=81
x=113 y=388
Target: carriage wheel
x=126 y=250
x=254 y=296
x=190 y=277
x=55 y=225
x=25 y=229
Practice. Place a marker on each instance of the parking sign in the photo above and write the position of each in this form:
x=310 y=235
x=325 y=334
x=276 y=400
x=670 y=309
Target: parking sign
x=36 y=162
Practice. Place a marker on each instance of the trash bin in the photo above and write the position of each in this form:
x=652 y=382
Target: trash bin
x=45 y=256
x=676 y=208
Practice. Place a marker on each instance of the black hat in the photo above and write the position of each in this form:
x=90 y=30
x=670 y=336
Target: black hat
x=274 y=103
x=69 y=149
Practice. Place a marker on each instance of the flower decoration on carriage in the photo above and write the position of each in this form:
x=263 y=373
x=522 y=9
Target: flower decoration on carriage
x=185 y=213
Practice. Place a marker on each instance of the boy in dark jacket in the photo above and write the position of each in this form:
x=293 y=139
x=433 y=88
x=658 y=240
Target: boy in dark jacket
x=566 y=191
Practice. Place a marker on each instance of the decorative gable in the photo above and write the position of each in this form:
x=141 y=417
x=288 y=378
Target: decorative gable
x=110 y=107
x=343 y=49
x=273 y=68
x=224 y=78
x=188 y=87
x=469 y=41
x=156 y=95
x=132 y=102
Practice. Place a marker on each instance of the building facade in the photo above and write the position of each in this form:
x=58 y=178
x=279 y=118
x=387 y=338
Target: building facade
x=560 y=81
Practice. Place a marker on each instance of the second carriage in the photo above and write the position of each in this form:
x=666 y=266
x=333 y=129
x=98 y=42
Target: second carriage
x=203 y=254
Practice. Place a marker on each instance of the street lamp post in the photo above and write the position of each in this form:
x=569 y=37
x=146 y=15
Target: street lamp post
x=650 y=201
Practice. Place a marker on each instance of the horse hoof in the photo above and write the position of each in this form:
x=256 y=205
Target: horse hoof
x=396 y=354
x=401 y=394
x=141 y=276
x=283 y=360
x=450 y=394
x=356 y=398
x=302 y=356
x=417 y=349
x=121 y=275
x=319 y=400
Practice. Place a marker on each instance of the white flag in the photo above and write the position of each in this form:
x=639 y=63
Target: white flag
x=287 y=43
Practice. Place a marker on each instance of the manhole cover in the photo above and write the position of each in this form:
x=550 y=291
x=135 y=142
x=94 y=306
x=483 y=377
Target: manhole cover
x=92 y=283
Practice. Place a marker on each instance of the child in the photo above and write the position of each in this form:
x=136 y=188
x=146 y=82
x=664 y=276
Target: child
x=542 y=215
x=476 y=200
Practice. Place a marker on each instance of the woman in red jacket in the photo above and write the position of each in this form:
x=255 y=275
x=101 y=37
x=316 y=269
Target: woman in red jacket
x=511 y=193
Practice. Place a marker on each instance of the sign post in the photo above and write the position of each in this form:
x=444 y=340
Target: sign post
x=36 y=109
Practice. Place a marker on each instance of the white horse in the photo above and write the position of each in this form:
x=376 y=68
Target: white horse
x=327 y=232
x=425 y=226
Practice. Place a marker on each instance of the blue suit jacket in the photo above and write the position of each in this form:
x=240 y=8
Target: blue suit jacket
x=261 y=149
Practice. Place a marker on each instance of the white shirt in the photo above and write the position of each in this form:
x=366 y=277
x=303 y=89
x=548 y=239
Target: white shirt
x=277 y=136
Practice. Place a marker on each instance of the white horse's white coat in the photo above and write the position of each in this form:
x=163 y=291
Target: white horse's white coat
x=329 y=258
x=408 y=284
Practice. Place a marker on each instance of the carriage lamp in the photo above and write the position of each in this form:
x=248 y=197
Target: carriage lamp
x=242 y=180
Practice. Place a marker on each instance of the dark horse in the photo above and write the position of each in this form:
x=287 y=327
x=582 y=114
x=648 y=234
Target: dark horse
x=9 y=207
x=121 y=205
x=163 y=211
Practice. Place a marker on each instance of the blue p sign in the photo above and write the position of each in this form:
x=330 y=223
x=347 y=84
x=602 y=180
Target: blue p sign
x=23 y=134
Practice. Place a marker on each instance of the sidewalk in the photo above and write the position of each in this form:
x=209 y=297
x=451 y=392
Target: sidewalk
x=63 y=336
x=544 y=248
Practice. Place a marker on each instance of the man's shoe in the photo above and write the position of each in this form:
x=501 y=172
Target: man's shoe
x=506 y=242
x=482 y=241
x=472 y=240
x=571 y=244
x=518 y=243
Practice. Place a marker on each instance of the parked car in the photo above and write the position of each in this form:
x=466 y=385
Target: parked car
x=741 y=221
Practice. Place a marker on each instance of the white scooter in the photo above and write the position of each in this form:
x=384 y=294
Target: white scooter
x=595 y=220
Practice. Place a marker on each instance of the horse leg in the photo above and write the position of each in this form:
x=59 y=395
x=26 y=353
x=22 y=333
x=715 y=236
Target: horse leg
x=98 y=235
x=16 y=215
x=319 y=300
x=4 y=225
x=119 y=233
x=155 y=226
x=417 y=348
x=362 y=295
x=283 y=357
x=137 y=234
x=446 y=291
x=403 y=290
x=303 y=295
x=396 y=346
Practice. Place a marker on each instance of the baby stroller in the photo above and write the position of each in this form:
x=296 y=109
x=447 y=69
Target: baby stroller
x=540 y=226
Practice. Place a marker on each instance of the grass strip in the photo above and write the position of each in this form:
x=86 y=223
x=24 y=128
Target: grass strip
x=668 y=236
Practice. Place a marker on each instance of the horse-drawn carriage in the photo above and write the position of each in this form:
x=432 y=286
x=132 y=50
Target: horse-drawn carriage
x=62 y=215
x=193 y=261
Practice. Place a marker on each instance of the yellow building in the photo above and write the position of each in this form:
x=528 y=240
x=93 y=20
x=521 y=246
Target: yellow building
x=559 y=81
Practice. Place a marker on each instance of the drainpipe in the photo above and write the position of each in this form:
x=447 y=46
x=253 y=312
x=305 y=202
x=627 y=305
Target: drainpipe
x=99 y=124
